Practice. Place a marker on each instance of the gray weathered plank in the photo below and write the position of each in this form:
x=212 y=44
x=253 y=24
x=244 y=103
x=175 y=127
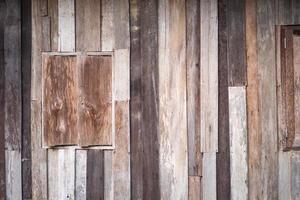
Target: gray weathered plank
x=209 y=180
x=209 y=75
x=238 y=143
x=295 y=175
x=107 y=26
x=108 y=176
x=284 y=175
x=53 y=14
x=120 y=24
x=80 y=174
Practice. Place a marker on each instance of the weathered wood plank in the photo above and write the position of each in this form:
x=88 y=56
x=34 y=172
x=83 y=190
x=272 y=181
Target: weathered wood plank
x=121 y=156
x=95 y=175
x=223 y=155
x=108 y=176
x=209 y=75
x=43 y=5
x=46 y=34
x=53 y=14
x=88 y=25
x=66 y=25
x=13 y=175
x=209 y=184
x=194 y=188
x=121 y=24
x=295 y=175
x=80 y=174
x=267 y=89
x=237 y=71
x=173 y=159
x=61 y=174
x=296 y=81
x=253 y=100
x=193 y=86
x=284 y=175
x=295 y=11
x=107 y=26
x=238 y=142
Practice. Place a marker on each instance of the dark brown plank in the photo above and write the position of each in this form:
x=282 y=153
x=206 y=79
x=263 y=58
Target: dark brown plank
x=236 y=42
x=193 y=86
x=96 y=101
x=26 y=103
x=95 y=175
x=60 y=100
x=2 y=76
x=223 y=155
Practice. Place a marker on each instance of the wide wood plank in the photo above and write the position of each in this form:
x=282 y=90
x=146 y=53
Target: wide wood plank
x=238 y=143
x=88 y=25
x=296 y=69
x=209 y=75
x=173 y=159
x=209 y=180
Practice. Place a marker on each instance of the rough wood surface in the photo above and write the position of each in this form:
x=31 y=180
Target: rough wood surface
x=88 y=25
x=108 y=175
x=120 y=24
x=238 y=143
x=209 y=181
x=53 y=14
x=46 y=34
x=284 y=175
x=193 y=86
x=209 y=75
x=80 y=174
x=296 y=82
x=173 y=160
x=107 y=26
x=194 y=188
x=43 y=6
x=295 y=175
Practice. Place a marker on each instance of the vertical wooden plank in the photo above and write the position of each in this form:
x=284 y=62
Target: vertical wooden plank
x=66 y=25
x=53 y=14
x=121 y=156
x=238 y=142
x=88 y=25
x=173 y=161
x=296 y=69
x=253 y=98
x=236 y=43
x=108 y=176
x=46 y=29
x=209 y=184
x=26 y=103
x=295 y=175
x=193 y=85
x=107 y=26
x=194 y=188
x=95 y=175
x=267 y=89
x=61 y=174
x=209 y=75
x=223 y=155
x=80 y=174
x=284 y=175
x=295 y=11
x=43 y=5
x=2 y=100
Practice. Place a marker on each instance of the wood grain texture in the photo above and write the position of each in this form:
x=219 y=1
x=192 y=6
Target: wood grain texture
x=173 y=159
x=237 y=72
x=80 y=174
x=267 y=89
x=223 y=155
x=238 y=142
x=88 y=25
x=108 y=175
x=43 y=5
x=60 y=104
x=107 y=25
x=193 y=86
x=46 y=28
x=295 y=175
x=95 y=117
x=53 y=14
x=253 y=100
x=66 y=25
x=296 y=81
x=194 y=188
x=209 y=184
x=209 y=75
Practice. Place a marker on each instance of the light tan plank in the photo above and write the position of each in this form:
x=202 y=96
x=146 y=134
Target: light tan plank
x=209 y=177
x=194 y=187
x=107 y=26
x=80 y=174
x=13 y=175
x=284 y=175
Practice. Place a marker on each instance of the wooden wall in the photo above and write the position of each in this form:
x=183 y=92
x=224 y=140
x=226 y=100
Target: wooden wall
x=200 y=117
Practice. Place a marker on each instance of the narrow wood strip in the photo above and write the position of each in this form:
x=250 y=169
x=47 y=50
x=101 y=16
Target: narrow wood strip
x=238 y=143
x=194 y=187
x=108 y=175
x=209 y=75
x=13 y=175
x=95 y=175
x=296 y=69
x=209 y=177
x=107 y=26
x=46 y=28
x=53 y=14
x=223 y=155
x=284 y=175
x=80 y=174
x=295 y=175
x=173 y=159
x=66 y=25
x=43 y=5
x=193 y=86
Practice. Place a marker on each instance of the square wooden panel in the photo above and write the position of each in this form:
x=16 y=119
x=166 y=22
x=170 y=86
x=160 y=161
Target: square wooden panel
x=77 y=100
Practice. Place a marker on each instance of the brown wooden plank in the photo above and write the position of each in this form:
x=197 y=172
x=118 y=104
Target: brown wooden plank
x=223 y=155
x=296 y=69
x=2 y=100
x=236 y=42
x=60 y=94
x=88 y=25
x=95 y=175
x=95 y=118
x=194 y=188
x=53 y=14
x=43 y=5
x=193 y=86
x=253 y=98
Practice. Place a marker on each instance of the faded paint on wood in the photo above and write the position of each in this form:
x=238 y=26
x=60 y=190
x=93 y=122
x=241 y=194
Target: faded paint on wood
x=66 y=25
x=209 y=75
x=223 y=155
x=80 y=174
x=253 y=100
x=88 y=25
x=193 y=86
x=194 y=188
x=173 y=161
x=121 y=155
x=209 y=184
x=295 y=175
x=238 y=143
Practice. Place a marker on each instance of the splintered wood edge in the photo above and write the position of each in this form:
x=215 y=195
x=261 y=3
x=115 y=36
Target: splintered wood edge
x=89 y=53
